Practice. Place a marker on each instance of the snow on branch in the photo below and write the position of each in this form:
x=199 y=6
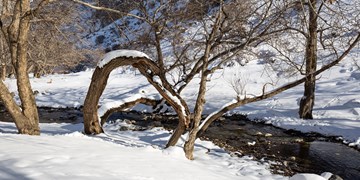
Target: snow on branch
x=121 y=53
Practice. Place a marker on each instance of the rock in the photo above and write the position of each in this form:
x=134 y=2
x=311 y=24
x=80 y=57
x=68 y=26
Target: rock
x=127 y=121
x=268 y=135
x=123 y=128
x=259 y=133
x=251 y=143
x=335 y=177
x=327 y=175
x=306 y=176
x=156 y=124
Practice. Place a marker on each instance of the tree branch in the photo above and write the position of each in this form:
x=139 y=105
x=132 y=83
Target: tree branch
x=110 y=10
x=274 y=92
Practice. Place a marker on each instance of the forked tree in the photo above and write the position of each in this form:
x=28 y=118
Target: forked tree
x=197 y=52
x=16 y=32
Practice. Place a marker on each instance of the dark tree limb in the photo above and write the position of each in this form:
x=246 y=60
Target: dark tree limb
x=126 y=106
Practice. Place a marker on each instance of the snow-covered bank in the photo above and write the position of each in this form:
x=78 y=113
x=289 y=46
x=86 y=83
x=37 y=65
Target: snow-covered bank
x=63 y=152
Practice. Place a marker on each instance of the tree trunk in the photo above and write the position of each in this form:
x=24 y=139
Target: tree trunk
x=26 y=119
x=190 y=143
x=180 y=129
x=24 y=87
x=23 y=124
x=3 y=71
x=307 y=101
x=200 y=100
x=5 y=7
x=96 y=88
x=2 y=59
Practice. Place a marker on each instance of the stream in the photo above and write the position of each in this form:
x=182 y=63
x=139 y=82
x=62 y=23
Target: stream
x=288 y=151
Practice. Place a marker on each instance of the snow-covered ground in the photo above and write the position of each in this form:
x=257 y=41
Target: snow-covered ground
x=62 y=151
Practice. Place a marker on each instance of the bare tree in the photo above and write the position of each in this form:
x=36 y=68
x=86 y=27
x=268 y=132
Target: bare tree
x=26 y=117
x=214 y=41
x=321 y=29
x=199 y=48
x=3 y=59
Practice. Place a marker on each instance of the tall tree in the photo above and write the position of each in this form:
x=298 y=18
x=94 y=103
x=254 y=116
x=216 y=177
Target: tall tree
x=26 y=117
x=320 y=31
x=307 y=101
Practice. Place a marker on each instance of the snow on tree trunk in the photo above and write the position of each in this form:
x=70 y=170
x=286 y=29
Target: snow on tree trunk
x=97 y=87
x=147 y=68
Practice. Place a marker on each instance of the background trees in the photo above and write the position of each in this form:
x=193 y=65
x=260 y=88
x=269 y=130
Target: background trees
x=321 y=31
x=27 y=35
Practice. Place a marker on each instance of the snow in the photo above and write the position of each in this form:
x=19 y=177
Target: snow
x=336 y=110
x=172 y=97
x=130 y=96
x=213 y=113
x=63 y=152
x=121 y=53
x=307 y=177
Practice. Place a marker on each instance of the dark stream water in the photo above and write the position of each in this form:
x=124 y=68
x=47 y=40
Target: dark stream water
x=291 y=151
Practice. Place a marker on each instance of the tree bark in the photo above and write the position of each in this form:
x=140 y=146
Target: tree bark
x=308 y=99
x=126 y=106
x=96 y=88
x=2 y=58
x=3 y=71
x=22 y=123
x=26 y=118
x=200 y=101
x=180 y=129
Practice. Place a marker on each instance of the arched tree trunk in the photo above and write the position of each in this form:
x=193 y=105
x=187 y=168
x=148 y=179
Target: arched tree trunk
x=96 y=88
x=147 y=68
